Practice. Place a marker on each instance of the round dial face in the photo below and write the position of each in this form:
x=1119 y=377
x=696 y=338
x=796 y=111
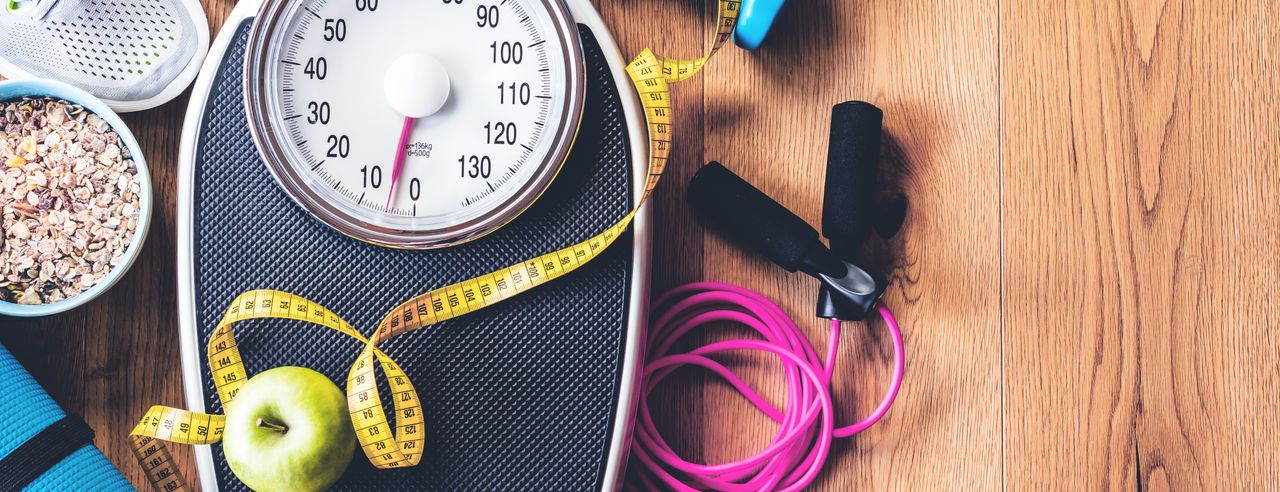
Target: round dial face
x=414 y=123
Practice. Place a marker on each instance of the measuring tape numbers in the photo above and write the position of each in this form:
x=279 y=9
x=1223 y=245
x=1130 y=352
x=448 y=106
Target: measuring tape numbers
x=398 y=445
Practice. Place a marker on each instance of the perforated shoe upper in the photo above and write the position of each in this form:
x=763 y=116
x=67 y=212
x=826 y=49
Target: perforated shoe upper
x=118 y=50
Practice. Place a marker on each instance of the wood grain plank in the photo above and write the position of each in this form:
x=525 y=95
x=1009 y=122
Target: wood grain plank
x=1141 y=225
x=933 y=70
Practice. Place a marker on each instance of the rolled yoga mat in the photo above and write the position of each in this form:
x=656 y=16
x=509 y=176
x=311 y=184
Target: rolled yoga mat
x=27 y=411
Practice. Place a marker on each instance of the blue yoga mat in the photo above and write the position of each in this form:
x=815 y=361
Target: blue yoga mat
x=25 y=409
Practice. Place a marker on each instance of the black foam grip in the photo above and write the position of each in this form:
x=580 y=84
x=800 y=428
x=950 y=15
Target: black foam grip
x=749 y=217
x=848 y=211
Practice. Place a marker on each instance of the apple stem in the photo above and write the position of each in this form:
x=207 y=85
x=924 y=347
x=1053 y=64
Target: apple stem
x=275 y=427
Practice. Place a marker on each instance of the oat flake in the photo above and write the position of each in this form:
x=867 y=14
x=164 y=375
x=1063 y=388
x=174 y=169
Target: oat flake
x=69 y=194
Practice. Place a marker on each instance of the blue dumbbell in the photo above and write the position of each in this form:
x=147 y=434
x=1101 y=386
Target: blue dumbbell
x=754 y=22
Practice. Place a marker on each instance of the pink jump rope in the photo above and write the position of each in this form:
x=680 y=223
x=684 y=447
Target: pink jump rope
x=806 y=424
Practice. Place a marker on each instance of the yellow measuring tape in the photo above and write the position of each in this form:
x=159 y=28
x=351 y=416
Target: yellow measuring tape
x=397 y=446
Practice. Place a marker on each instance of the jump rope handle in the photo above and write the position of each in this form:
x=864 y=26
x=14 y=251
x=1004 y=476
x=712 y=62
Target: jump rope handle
x=853 y=160
x=756 y=222
x=728 y=203
x=849 y=205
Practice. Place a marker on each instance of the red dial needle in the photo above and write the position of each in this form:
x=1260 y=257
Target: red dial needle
x=402 y=151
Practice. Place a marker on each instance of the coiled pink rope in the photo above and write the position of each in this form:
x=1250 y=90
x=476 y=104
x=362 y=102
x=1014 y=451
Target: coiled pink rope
x=806 y=426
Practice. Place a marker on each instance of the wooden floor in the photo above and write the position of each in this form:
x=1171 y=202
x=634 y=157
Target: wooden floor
x=1089 y=275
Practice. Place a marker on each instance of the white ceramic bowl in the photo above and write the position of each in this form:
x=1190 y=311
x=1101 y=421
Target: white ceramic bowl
x=17 y=89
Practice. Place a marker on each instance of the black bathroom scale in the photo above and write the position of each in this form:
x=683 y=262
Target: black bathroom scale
x=534 y=393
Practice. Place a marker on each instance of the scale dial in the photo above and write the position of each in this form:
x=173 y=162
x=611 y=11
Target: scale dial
x=331 y=85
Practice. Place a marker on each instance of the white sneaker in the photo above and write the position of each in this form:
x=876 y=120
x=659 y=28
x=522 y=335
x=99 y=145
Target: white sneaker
x=132 y=54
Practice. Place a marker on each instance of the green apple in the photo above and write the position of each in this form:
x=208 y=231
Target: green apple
x=288 y=429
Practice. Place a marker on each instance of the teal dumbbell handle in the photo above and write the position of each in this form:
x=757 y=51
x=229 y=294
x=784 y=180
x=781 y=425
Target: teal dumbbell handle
x=756 y=20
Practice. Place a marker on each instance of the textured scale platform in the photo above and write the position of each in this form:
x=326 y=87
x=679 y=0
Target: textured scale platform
x=520 y=396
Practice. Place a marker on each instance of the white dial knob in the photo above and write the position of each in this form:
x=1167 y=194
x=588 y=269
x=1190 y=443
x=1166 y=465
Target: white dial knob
x=416 y=85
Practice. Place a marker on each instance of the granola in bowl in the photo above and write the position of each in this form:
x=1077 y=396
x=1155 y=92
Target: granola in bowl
x=69 y=200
